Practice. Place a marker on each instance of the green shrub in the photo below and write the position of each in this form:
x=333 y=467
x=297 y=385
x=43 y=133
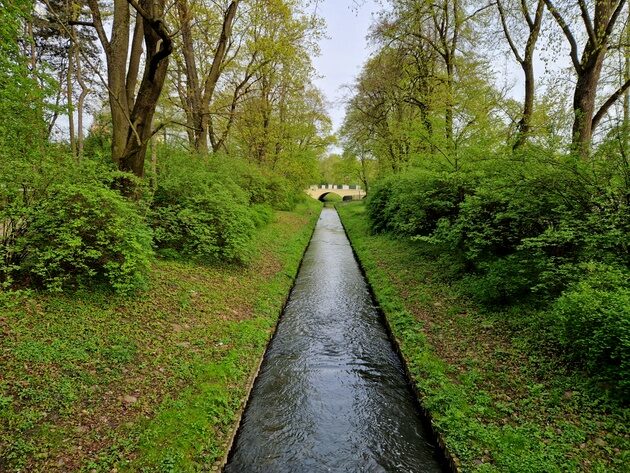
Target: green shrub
x=332 y=197
x=592 y=322
x=377 y=201
x=78 y=235
x=200 y=213
x=262 y=214
x=259 y=185
x=414 y=202
x=212 y=226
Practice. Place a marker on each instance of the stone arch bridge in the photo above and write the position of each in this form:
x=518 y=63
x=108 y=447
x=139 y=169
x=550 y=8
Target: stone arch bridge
x=346 y=192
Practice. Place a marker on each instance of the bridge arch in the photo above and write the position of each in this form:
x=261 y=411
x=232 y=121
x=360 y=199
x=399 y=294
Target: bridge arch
x=323 y=195
x=345 y=191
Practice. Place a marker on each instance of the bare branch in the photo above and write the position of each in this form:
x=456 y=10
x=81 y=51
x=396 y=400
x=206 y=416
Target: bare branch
x=526 y=14
x=587 y=21
x=613 y=20
x=607 y=104
x=567 y=32
x=506 y=31
x=81 y=23
x=98 y=24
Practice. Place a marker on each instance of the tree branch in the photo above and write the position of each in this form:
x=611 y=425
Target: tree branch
x=506 y=31
x=526 y=14
x=587 y=21
x=567 y=32
x=98 y=24
x=607 y=104
x=613 y=19
x=156 y=23
x=81 y=23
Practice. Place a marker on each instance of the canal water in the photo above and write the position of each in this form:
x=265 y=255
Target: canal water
x=331 y=395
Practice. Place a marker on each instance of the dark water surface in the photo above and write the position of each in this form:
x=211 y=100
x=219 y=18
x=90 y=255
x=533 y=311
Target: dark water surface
x=331 y=395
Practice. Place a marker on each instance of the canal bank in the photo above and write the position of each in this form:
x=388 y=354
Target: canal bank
x=332 y=394
x=499 y=404
x=103 y=383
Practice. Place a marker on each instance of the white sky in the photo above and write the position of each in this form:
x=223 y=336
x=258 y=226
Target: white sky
x=345 y=50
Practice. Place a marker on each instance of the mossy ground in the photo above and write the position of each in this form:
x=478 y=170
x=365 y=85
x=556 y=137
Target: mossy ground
x=501 y=404
x=95 y=382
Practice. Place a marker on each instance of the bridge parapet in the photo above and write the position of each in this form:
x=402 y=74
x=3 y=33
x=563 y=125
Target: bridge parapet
x=345 y=191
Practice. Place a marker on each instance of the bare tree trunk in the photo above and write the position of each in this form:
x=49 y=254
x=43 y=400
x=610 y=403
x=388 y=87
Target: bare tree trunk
x=132 y=114
x=158 y=48
x=448 y=114
x=527 y=63
x=584 y=103
x=626 y=78
x=588 y=66
x=198 y=96
x=216 y=68
x=69 y=96
x=85 y=90
x=198 y=134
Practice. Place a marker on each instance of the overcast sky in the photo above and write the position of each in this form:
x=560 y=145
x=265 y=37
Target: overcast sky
x=345 y=50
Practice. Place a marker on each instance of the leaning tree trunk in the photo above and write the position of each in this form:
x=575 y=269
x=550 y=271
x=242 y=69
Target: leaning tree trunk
x=158 y=49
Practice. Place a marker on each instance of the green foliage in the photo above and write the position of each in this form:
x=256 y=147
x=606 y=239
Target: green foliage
x=213 y=226
x=62 y=226
x=412 y=203
x=592 y=322
x=79 y=234
x=21 y=94
x=498 y=404
x=520 y=231
x=185 y=349
x=332 y=197
x=202 y=213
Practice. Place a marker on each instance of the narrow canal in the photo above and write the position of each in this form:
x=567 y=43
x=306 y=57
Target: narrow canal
x=331 y=395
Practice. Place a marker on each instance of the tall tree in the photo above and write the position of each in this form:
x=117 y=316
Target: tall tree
x=201 y=86
x=133 y=106
x=598 y=19
x=525 y=59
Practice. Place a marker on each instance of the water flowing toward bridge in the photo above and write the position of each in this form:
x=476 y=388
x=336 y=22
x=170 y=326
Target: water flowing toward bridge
x=331 y=395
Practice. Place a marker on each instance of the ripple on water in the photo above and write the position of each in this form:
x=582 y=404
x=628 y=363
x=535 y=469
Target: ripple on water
x=331 y=395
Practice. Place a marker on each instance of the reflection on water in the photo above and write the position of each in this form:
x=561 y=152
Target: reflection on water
x=331 y=395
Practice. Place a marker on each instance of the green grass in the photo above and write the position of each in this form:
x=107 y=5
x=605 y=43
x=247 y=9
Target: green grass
x=501 y=404
x=91 y=381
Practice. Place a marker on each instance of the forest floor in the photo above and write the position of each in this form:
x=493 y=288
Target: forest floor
x=99 y=383
x=499 y=403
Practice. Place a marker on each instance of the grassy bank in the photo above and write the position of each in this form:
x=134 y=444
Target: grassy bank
x=500 y=404
x=96 y=382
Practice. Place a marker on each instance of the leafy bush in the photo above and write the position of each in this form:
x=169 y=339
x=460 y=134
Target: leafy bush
x=212 y=226
x=551 y=232
x=592 y=322
x=260 y=185
x=412 y=203
x=332 y=197
x=80 y=234
x=262 y=214
x=507 y=232
x=200 y=213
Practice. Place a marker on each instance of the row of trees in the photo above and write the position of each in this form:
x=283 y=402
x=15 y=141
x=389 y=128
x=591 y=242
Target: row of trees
x=525 y=204
x=430 y=87
x=220 y=92
x=230 y=76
